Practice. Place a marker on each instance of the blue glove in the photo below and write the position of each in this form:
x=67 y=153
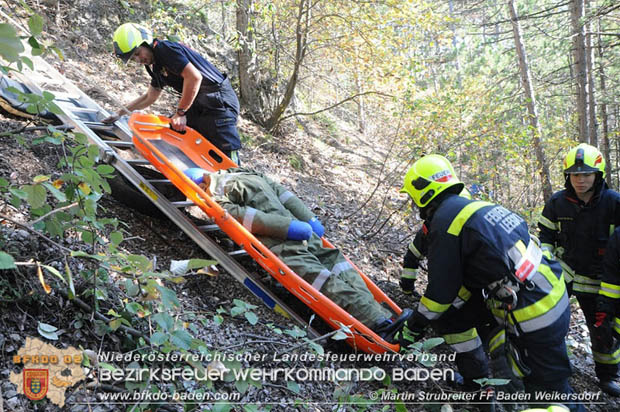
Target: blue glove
x=317 y=227
x=196 y=174
x=299 y=231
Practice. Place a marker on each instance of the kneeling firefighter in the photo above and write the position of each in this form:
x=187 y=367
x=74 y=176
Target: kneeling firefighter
x=487 y=250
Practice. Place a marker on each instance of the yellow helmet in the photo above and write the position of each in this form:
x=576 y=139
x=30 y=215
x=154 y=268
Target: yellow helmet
x=584 y=159
x=552 y=408
x=128 y=37
x=465 y=193
x=428 y=177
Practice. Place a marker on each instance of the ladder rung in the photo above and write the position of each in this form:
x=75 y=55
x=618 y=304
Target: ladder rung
x=99 y=127
x=118 y=143
x=138 y=162
x=240 y=252
x=46 y=80
x=158 y=181
x=83 y=109
x=67 y=97
x=183 y=203
x=209 y=228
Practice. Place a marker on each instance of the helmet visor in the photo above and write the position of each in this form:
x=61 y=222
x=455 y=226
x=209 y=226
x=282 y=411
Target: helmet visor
x=580 y=168
x=123 y=56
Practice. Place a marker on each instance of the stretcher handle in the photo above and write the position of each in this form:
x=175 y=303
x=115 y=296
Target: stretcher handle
x=168 y=125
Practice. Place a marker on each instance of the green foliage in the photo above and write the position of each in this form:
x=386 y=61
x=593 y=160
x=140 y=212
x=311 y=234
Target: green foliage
x=10 y=45
x=6 y=261
x=296 y=162
x=48 y=331
x=421 y=351
x=12 y=48
x=128 y=8
x=491 y=382
x=65 y=205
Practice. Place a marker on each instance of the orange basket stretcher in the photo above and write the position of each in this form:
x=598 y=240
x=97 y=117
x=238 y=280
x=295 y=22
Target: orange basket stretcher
x=172 y=152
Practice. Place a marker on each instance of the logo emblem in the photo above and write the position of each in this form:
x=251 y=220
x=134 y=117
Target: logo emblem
x=599 y=159
x=36 y=383
x=442 y=176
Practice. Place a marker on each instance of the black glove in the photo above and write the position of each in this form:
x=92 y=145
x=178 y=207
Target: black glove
x=407 y=280
x=410 y=333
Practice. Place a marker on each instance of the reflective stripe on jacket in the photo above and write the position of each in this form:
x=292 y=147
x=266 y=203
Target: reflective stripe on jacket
x=472 y=244
x=578 y=234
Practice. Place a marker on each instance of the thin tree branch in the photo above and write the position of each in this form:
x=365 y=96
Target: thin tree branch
x=52 y=212
x=334 y=105
x=28 y=228
x=86 y=308
x=31 y=129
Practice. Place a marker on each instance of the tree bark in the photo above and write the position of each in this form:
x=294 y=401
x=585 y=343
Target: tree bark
x=224 y=27
x=604 y=116
x=301 y=38
x=248 y=87
x=360 y=101
x=526 y=81
x=581 y=77
x=592 y=122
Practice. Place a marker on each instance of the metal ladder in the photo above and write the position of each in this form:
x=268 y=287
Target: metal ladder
x=82 y=113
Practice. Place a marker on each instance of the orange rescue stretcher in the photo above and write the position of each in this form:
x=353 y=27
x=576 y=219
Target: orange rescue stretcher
x=172 y=152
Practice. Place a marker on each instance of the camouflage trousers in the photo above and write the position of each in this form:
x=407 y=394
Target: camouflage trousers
x=328 y=271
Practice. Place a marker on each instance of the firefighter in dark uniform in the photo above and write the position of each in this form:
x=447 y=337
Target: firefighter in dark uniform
x=487 y=250
x=575 y=226
x=416 y=252
x=493 y=336
x=608 y=302
x=207 y=103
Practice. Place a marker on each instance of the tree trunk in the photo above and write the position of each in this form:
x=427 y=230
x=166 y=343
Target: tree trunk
x=592 y=122
x=248 y=88
x=360 y=101
x=455 y=42
x=301 y=37
x=604 y=117
x=224 y=27
x=581 y=77
x=526 y=81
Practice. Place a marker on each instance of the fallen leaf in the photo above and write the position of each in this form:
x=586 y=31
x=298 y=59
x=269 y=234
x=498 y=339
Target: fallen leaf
x=209 y=271
x=46 y=287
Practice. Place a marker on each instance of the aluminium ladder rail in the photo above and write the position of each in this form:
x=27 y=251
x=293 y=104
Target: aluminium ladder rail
x=81 y=112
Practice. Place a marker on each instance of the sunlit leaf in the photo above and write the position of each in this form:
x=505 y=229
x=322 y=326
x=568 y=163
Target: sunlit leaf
x=46 y=287
x=10 y=45
x=35 y=24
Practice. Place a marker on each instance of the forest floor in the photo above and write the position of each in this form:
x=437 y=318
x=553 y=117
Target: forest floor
x=328 y=164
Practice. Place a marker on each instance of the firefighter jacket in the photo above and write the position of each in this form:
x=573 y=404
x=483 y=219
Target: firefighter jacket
x=264 y=207
x=609 y=294
x=416 y=251
x=474 y=244
x=577 y=234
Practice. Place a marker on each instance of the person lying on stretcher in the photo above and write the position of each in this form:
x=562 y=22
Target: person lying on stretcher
x=282 y=222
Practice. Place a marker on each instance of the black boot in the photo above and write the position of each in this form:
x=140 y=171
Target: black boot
x=610 y=387
x=388 y=328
